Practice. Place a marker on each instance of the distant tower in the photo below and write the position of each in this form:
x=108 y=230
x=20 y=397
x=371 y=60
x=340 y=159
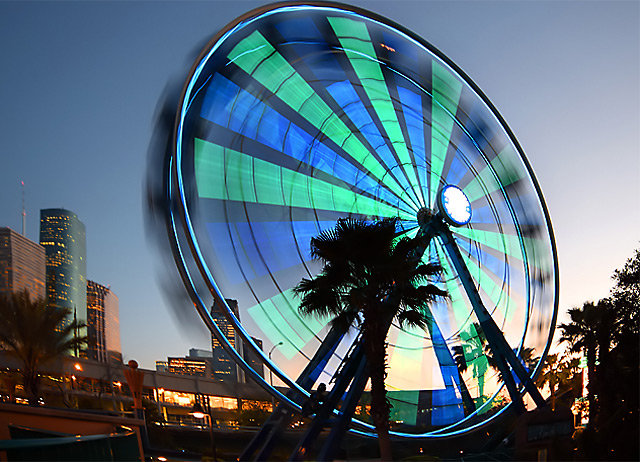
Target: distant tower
x=22 y=265
x=63 y=236
x=103 y=323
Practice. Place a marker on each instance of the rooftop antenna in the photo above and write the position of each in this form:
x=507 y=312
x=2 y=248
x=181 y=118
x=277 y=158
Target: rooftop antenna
x=24 y=214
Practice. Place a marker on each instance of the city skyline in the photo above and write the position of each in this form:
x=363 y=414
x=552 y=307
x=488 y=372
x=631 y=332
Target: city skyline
x=566 y=83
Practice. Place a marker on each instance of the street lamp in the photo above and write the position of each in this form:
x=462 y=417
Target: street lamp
x=198 y=412
x=273 y=402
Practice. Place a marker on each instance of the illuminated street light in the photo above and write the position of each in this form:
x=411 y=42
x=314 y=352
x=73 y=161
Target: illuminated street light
x=199 y=413
x=271 y=372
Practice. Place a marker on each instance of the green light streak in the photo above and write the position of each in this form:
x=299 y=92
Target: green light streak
x=407 y=351
x=446 y=94
x=457 y=299
x=356 y=42
x=404 y=406
x=284 y=322
x=498 y=296
x=256 y=56
x=279 y=320
x=502 y=166
x=503 y=243
x=225 y=174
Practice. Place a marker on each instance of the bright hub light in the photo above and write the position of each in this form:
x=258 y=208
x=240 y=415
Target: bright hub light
x=454 y=205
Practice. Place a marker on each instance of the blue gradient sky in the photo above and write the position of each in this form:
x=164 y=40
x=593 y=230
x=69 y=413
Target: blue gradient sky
x=80 y=82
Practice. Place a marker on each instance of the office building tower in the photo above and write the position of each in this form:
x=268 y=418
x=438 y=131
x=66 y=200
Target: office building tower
x=22 y=265
x=63 y=237
x=161 y=366
x=223 y=367
x=103 y=323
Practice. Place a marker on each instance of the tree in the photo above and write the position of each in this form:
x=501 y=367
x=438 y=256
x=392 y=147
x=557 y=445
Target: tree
x=619 y=372
x=607 y=333
x=34 y=333
x=369 y=278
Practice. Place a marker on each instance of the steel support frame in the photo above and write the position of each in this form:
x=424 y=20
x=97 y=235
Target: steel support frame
x=502 y=352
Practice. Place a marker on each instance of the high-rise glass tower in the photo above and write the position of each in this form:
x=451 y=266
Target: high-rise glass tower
x=63 y=236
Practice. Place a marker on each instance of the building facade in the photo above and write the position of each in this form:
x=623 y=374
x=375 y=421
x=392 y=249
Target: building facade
x=63 y=237
x=103 y=323
x=22 y=265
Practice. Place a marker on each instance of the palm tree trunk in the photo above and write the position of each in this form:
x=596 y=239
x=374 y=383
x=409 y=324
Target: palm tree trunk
x=376 y=349
x=592 y=386
x=30 y=381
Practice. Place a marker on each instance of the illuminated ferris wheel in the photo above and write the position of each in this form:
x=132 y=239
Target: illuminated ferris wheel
x=296 y=115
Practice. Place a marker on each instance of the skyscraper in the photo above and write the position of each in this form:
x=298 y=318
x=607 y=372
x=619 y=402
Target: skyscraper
x=223 y=367
x=103 y=323
x=64 y=238
x=22 y=265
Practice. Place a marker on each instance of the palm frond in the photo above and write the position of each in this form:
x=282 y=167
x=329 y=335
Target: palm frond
x=412 y=318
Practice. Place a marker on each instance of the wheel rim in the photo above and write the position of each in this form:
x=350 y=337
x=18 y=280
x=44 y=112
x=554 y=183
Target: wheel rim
x=296 y=115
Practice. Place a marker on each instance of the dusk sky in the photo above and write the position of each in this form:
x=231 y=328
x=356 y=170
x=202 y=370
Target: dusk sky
x=81 y=82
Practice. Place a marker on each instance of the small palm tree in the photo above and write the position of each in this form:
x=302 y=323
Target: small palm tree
x=557 y=372
x=370 y=278
x=581 y=333
x=34 y=333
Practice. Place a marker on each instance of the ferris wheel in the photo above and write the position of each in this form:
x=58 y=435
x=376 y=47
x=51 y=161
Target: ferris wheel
x=296 y=115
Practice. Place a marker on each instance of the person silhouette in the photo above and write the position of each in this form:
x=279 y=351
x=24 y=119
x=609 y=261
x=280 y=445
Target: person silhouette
x=315 y=401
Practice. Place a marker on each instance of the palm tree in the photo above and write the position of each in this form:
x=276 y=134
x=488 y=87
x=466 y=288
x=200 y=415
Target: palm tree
x=369 y=278
x=35 y=333
x=582 y=336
